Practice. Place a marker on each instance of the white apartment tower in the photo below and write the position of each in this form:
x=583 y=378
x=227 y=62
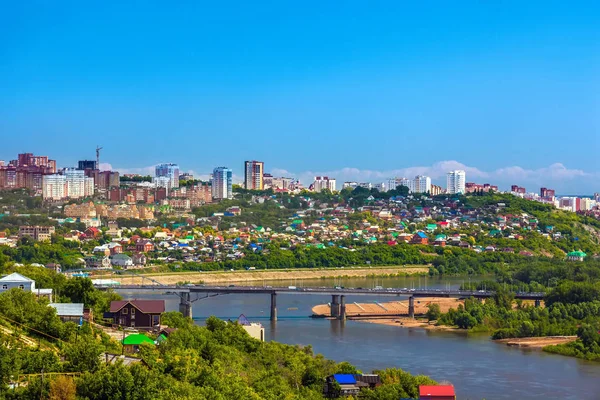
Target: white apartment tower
x=53 y=187
x=421 y=184
x=323 y=182
x=222 y=183
x=75 y=183
x=395 y=182
x=167 y=170
x=455 y=182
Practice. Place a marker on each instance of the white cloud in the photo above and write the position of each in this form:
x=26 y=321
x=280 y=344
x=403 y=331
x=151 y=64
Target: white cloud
x=140 y=171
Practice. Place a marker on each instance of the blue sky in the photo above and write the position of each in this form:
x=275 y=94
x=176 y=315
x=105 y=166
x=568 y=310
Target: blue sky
x=508 y=90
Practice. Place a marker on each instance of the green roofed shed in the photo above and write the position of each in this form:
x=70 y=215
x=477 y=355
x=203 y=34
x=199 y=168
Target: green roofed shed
x=137 y=339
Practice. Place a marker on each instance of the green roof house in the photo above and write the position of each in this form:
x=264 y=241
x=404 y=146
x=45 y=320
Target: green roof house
x=576 y=256
x=132 y=343
x=431 y=227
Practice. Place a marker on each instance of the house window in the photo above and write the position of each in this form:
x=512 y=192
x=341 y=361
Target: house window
x=132 y=311
x=124 y=311
x=4 y=287
x=21 y=287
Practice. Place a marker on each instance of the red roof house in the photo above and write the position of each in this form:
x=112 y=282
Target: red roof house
x=442 y=392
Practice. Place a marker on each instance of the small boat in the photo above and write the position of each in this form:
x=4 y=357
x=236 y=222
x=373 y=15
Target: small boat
x=292 y=308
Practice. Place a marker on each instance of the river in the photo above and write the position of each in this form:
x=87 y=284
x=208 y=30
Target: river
x=478 y=367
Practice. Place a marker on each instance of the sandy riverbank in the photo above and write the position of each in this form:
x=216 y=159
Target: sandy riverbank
x=391 y=308
x=537 y=342
x=171 y=278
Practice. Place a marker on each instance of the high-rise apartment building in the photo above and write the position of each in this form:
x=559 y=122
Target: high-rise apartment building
x=455 y=182
x=26 y=172
x=72 y=184
x=107 y=180
x=222 y=182
x=86 y=164
x=322 y=183
x=394 y=183
x=421 y=184
x=253 y=175
x=75 y=183
x=168 y=170
x=53 y=187
x=547 y=193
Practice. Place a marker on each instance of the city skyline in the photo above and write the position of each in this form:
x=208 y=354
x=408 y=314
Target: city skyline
x=504 y=178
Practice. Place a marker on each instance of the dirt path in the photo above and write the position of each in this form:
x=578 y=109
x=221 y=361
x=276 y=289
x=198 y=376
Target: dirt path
x=255 y=276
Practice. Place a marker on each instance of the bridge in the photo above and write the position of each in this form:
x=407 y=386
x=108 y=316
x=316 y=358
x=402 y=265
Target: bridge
x=338 y=294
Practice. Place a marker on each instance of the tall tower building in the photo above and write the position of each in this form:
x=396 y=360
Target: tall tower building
x=253 y=175
x=168 y=170
x=421 y=184
x=455 y=182
x=222 y=178
x=323 y=182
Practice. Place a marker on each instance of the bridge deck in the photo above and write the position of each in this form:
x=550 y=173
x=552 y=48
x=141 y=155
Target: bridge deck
x=391 y=292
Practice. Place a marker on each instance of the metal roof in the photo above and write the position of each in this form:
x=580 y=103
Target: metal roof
x=14 y=277
x=345 y=379
x=68 y=309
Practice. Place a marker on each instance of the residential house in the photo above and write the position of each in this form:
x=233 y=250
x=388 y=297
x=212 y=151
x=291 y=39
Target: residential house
x=54 y=267
x=69 y=312
x=254 y=329
x=144 y=314
x=139 y=259
x=93 y=232
x=349 y=384
x=18 y=281
x=576 y=256
x=115 y=248
x=144 y=246
x=100 y=261
x=121 y=260
x=419 y=238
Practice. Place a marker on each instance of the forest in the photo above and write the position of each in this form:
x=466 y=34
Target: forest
x=571 y=305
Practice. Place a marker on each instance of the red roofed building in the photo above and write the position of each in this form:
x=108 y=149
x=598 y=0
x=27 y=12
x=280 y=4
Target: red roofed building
x=144 y=246
x=93 y=232
x=143 y=314
x=442 y=392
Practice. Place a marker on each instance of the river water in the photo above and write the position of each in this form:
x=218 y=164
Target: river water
x=476 y=366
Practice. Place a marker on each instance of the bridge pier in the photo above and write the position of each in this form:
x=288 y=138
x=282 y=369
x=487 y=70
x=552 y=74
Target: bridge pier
x=185 y=304
x=411 y=307
x=273 y=306
x=538 y=303
x=335 y=306
x=342 y=316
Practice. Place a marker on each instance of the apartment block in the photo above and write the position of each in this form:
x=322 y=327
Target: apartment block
x=222 y=186
x=456 y=182
x=323 y=182
x=41 y=233
x=253 y=175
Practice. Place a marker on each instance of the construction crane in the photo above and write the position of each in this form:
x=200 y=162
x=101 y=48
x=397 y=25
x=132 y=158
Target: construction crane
x=98 y=148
